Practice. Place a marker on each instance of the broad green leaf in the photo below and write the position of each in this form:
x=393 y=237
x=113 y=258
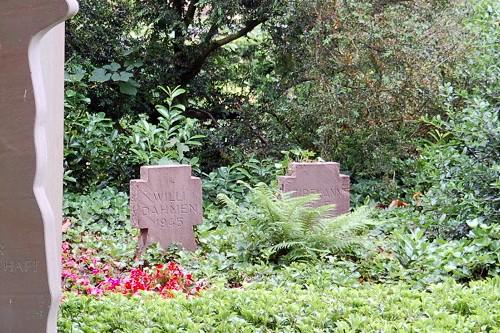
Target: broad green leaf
x=128 y=89
x=100 y=75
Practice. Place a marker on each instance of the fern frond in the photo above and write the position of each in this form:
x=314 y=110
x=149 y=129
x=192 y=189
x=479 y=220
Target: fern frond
x=344 y=232
x=286 y=246
x=353 y=222
x=290 y=228
x=227 y=201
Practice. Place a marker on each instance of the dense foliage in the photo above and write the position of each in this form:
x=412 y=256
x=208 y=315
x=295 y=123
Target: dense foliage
x=447 y=307
x=98 y=154
x=348 y=79
x=403 y=94
x=286 y=229
x=372 y=69
x=456 y=180
x=459 y=169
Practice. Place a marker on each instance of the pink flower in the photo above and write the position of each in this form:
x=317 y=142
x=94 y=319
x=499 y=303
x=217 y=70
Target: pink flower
x=94 y=291
x=87 y=274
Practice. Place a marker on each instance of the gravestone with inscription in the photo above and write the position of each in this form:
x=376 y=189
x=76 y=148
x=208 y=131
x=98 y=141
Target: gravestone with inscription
x=319 y=177
x=165 y=204
x=31 y=161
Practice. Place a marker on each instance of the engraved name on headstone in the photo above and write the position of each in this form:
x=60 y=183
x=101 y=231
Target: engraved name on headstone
x=165 y=204
x=31 y=156
x=319 y=177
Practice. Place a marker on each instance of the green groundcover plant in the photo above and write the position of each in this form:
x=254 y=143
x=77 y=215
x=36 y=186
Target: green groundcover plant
x=446 y=307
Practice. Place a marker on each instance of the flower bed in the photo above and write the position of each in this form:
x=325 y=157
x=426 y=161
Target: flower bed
x=86 y=274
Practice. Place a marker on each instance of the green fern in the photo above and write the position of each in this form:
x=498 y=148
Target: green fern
x=227 y=201
x=280 y=227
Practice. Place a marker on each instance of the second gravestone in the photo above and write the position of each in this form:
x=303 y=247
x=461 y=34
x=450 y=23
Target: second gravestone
x=320 y=177
x=165 y=205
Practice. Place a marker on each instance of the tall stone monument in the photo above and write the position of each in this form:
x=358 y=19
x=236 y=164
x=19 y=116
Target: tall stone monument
x=319 y=177
x=31 y=148
x=165 y=204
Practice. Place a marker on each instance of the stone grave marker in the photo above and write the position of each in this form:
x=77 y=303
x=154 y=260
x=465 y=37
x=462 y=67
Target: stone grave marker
x=165 y=204
x=319 y=177
x=31 y=161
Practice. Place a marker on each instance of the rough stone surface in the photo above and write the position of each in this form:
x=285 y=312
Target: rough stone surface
x=165 y=204
x=323 y=178
x=31 y=148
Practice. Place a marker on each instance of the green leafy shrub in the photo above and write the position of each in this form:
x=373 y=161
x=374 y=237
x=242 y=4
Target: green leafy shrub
x=459 y=173
x=231 y=180
x=356 y=81
x=166 y=142
x=94 y=152
x=122 y=77
x=76 y=88
x=99 y=154
x=380 y=191
x=258 y=307
x=106 y=207
x=287 y=229
x=452 y=225
x=459 y=169
x=429 y=261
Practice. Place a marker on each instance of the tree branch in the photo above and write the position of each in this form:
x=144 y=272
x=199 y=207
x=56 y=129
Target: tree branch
x=191 y=10
x=214 y=29
x=179 y=6
x=211 y=46
x=249 y=26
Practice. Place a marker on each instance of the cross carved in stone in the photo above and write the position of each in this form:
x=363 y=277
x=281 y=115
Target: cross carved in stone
x=165 y=205
x=323 y=178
